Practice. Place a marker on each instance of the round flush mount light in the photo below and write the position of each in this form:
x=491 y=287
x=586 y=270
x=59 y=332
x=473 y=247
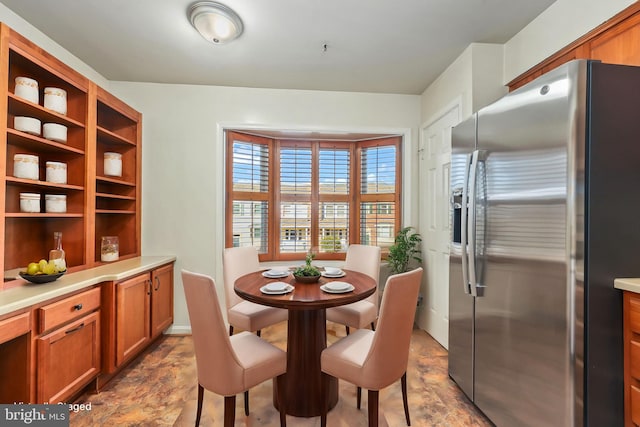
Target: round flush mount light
x=216 y=22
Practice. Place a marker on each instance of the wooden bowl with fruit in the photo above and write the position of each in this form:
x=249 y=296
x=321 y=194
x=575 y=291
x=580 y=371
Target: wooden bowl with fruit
x=43 y=271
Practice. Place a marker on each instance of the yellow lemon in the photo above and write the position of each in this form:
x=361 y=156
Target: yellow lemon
x=42 y=263
x=33 y=268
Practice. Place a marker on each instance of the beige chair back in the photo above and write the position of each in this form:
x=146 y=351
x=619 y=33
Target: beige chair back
x=237 y=262
x=219 y=369
x=389 y=353
x=365 y=259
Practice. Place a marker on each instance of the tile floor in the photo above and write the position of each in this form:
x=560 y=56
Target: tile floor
x=160 y=389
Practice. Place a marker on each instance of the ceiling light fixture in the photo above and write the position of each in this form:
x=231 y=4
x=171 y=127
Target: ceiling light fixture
x=216 y=22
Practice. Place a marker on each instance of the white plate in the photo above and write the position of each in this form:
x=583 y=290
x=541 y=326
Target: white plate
x=276 y=286
x=337 y=287
x=275 y=274
x=286 y=290
x=341 y=274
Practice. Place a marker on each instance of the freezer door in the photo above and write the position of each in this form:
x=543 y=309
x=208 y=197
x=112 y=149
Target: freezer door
x=523 y=325
x=461 y=303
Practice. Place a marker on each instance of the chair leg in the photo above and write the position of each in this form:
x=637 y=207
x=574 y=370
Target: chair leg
x=230 y=330
x=324 y=391
x=282 y=399
x=403 y=383
x=347 y=328
x=199 y=410
x=246 y=403
x=359 y=397
x=229 y=411
x=258 y=332
x=373 y=326
x=372 y=406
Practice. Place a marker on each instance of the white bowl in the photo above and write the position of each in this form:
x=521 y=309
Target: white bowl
x=332 y=271
x=55 y=132
x=27 y=124
x=27 y=88
x=55 y=99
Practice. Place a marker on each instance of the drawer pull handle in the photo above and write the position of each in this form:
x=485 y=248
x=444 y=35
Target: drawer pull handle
x=77 y=328
x=77 y=307
x=156 y=288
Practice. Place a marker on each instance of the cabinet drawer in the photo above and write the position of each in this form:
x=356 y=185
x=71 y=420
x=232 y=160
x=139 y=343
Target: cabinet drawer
x=634 y=359
x=70 y=308
x=635 y=405
x=634 y=314
x=14 y=327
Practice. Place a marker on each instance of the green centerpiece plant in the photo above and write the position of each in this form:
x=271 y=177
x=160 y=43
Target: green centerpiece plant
x=307 y=273
x=405 y=252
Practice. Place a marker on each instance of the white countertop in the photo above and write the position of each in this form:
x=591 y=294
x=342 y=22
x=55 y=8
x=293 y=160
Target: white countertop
x=627 y=284
x=30 y=294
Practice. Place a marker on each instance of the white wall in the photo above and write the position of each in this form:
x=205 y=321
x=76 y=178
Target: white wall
x=183 y=156
x=562 y=23
x=475 y=78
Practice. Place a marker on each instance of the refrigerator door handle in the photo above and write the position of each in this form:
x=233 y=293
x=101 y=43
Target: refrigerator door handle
x=464 y=226
x=471 y=224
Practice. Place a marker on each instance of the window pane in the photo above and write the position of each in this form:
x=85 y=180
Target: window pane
x=378 y=170
x=250 y=219
x=295 y=171
x=295 y=227
x=334 y=171
x=377 y=221
x=333 y=227
x=250 y=167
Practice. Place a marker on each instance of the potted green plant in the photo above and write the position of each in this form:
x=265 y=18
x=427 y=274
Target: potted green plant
x=405 y=251
x=307 y=273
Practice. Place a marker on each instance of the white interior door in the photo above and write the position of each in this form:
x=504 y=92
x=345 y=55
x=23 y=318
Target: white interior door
x=434 y=170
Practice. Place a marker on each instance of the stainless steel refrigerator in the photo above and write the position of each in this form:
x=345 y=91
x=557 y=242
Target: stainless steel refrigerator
x=545 y=210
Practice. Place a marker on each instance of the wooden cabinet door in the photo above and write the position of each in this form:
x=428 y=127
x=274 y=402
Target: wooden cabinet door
x=68 y=358
x=161 y=300
x=620 y=44
x=132 y=317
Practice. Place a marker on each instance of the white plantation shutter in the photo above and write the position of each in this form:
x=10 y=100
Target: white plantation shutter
x=378 y=189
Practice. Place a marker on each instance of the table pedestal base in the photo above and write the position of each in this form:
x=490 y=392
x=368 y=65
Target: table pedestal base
x=307 y=337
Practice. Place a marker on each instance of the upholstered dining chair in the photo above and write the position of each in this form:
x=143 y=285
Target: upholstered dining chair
x=243 y=314
x=375 y=359
x=228 y=365
x=363 y=259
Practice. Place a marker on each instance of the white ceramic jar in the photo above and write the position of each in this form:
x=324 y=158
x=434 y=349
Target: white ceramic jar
x=54 y=132
x=27 y=88
x=29 y=202
x=55 y=99
x=26 y=166
x=55 y=203
x=27 y=124
x=112 y=164
x=56 y=172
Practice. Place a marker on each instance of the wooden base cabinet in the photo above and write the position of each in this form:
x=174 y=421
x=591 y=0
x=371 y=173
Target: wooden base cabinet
x=631 y=313
x=132 y=325
x=161 y=300
x=68 y=358
x=15 y=345
x=68 y=347
x=138 y=310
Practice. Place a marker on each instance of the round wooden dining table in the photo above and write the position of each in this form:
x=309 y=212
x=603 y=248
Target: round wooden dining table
x=306 y=332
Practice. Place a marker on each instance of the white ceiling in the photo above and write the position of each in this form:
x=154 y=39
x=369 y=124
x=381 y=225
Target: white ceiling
x=373 y=45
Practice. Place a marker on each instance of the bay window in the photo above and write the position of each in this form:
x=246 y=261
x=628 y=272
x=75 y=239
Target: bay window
x=288 y=197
